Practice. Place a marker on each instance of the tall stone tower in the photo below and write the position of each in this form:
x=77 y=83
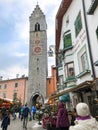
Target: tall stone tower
x=37 y=57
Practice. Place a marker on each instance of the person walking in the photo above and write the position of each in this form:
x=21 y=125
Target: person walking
x=84 y=120
x=26 y=112
x=21 y=113
x=5 y=122
x=34 y=111
x=73 y=117
x=62 y=122
x=3 y=110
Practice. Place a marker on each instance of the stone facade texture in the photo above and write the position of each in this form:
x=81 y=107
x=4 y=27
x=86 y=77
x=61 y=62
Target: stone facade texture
x=37 y=61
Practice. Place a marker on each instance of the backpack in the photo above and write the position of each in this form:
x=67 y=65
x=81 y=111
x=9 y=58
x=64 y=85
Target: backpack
x=25 y=111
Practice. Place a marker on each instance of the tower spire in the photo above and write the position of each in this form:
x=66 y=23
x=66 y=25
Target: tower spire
x=37 y=2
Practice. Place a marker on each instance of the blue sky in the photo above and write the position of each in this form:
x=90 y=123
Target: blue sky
x=14 y=34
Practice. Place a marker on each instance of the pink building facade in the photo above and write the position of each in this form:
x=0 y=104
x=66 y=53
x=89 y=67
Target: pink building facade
x=14 y=89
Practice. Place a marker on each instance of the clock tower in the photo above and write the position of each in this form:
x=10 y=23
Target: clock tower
x=37 y=58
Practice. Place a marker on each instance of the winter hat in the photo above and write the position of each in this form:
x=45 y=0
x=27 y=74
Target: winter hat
x=82 y=109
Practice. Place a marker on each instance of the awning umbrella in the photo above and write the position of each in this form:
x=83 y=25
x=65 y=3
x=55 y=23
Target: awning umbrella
x=64 y=98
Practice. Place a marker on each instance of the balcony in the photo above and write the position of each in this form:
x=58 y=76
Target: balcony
x=83 y=73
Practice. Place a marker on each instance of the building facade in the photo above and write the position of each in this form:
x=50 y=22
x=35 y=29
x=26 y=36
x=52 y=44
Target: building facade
x=51 y=83
x=76 y=48
x=14 y=89
x=37 y=57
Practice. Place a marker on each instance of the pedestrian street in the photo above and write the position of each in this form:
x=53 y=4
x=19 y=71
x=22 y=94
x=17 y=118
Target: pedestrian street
x=17 y=124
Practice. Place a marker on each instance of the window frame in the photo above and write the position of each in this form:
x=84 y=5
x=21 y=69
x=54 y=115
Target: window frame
x=66 y=36
x=79 y=54
x=4 y=95
x=78 y=24
x=16 y=84
x=67 y=72
x=15 y=95
x=5 y=86
x=37 y=27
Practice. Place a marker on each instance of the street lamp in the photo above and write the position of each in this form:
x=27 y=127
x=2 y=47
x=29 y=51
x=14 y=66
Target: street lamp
x=51 y=50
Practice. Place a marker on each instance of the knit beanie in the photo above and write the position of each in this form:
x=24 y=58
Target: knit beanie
x=82 y=109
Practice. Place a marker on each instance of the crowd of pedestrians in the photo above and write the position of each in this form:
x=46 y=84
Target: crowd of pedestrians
x=81 y=119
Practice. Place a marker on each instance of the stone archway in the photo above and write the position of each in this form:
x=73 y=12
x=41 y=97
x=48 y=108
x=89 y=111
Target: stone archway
x=36 y=99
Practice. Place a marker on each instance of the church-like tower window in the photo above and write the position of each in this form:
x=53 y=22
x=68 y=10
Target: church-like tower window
x=37 y=27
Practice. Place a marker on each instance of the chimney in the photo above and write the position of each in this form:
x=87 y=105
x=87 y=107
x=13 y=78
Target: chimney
x=1 y=78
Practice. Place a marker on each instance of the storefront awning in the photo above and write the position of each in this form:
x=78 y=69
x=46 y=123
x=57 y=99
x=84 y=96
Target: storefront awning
x=86 y=84
x=64 y=98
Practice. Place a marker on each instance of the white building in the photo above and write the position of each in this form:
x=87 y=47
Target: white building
x=77 y=46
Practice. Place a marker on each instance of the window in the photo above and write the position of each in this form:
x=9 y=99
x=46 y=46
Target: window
x=5 y=86
x=37 y=69
x=60 y=60
x=93 y=6
x=0 y=86
x=37 y=27
x=78 y=24
x=69 y=69
x=15 y=96
x=97 y=32
x=16 y=85
x=67 y=40
x=83 y=60
x=4 y=95
x=61 y=80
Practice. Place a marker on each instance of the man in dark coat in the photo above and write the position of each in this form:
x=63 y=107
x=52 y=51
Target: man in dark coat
x=5 y=122
x=26 y=112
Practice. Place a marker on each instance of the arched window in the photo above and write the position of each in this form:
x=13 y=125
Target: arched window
x=37 y=27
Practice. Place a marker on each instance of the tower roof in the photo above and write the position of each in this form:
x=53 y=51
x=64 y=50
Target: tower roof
x=37 y=10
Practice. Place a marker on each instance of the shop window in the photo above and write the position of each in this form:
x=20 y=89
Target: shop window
x=67 y=40
x=78 y=24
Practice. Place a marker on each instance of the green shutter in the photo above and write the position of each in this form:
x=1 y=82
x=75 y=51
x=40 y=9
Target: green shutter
x=97 y=32
x=78 y=24
x=67 y=40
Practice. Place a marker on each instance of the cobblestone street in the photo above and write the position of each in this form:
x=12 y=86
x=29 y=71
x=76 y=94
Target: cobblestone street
x=18 y=125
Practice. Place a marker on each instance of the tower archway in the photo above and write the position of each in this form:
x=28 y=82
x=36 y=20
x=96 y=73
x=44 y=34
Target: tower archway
x=37 y=100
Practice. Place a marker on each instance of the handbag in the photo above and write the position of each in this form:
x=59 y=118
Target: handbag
x=30 y=118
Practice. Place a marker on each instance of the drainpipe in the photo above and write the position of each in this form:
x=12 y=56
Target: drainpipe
x=94 y=92
x=88 y=40
x=24 y=91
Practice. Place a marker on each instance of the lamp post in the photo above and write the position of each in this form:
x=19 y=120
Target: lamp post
x=51 y=50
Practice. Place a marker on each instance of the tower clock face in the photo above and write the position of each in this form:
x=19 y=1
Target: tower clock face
x=37 y=50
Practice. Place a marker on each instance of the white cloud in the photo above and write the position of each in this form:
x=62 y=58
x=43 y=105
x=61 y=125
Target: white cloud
x=15 y=14
x=17 y=54
x=13 y=71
